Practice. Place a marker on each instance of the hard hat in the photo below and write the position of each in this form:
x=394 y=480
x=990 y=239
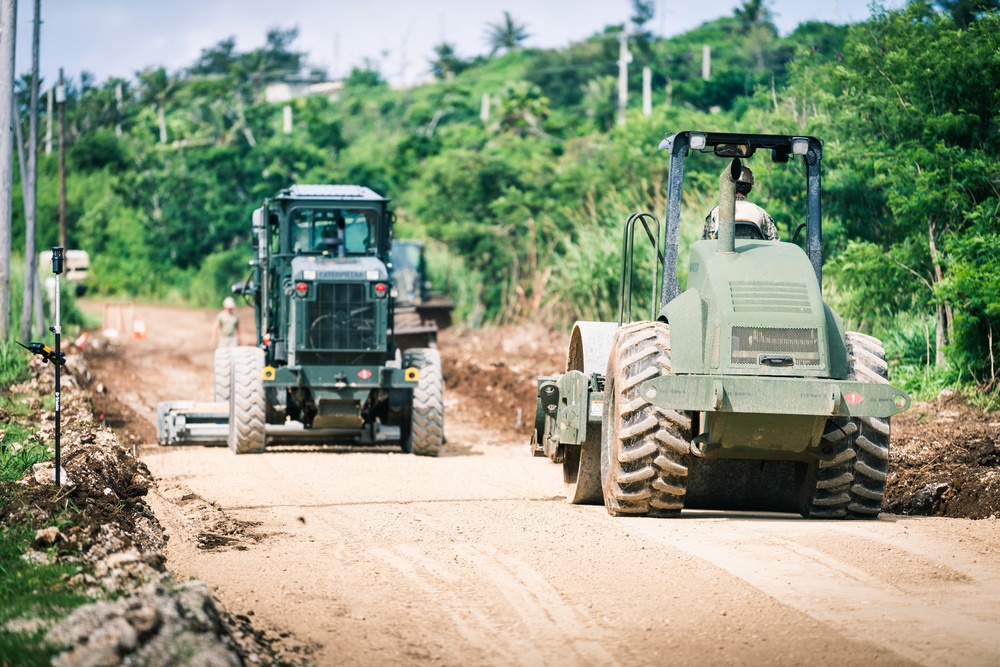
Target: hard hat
x=229 y=302
x=746 y=176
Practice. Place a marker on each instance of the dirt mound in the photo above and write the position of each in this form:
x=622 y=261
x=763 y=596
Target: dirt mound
x=945 y=461
x=116 y=542
x=496 y=372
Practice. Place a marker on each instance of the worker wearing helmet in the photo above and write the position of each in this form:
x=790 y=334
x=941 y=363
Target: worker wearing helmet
x=746 y=211
x=226 y=330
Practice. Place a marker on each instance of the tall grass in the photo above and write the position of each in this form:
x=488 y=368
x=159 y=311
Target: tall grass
x=13 y=363
x=449 y=274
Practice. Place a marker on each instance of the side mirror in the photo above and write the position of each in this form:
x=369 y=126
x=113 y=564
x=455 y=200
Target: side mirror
x=244 y=288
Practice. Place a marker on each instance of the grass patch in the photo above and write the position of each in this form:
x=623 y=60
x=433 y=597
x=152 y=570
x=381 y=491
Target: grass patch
x=18 y=452
x=14 y=461
x=13 y=363
x=35 y=594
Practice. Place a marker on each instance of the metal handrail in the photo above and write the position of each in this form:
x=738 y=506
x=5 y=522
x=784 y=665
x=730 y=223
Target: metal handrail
x=628 y=248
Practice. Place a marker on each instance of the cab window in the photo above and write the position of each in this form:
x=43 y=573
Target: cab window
x=317 y=230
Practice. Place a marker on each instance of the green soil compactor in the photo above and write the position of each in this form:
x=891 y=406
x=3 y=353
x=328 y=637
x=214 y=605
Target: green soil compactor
x=744 y=391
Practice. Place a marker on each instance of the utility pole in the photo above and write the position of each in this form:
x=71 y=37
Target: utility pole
x=624 y=58
x=706 y=62
x=118 y=118
x=336 y=56
x=28 y=196
x=647 y=91
x=61 y=101
x=30 y=207
x=8 y=25
x=48 y=121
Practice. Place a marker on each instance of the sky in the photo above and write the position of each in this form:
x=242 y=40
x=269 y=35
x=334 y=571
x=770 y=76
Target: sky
x=121 y=37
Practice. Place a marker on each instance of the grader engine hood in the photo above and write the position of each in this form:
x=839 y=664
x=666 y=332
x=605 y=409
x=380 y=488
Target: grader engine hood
x=339 y=304
x=755 y=311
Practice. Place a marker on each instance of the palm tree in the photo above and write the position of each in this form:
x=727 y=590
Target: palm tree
x=756 y=24
x=507 y=35
x=964 y=12
x=157 y=87
x=752 y=13
x=600 y=102
x=446 y=62
x=521 y=109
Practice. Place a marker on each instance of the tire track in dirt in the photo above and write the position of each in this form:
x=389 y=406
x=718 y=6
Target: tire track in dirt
x=507 y=587
x=863 y=579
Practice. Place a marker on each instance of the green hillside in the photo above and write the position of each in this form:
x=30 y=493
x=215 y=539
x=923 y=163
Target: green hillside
x=523 y=213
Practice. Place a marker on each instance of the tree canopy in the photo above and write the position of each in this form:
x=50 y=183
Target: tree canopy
x=522 y=211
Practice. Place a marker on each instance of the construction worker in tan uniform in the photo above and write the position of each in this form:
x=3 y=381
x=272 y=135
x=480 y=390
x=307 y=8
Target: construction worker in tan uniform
x=746 y=211
x=226 y=330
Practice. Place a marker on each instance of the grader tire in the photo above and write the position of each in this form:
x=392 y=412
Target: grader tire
x=645 y=450
x=223 y=373
x=426 y=437
x=866 y=363
x=246 y=402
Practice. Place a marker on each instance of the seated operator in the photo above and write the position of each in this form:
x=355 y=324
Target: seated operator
x=746 y=211
x=332 y=236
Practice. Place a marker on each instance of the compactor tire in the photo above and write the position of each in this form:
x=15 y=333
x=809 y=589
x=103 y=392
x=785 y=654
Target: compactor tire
x=824 y=493
x=582 y=470
x=645 y=450
x=426 y=437
x=223 y=373
x=866 y=363
x=247 y=401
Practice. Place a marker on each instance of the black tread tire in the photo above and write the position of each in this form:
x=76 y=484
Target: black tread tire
x=645 y=450
x=246 y=403
x=825 y=491
x=426 y=437
x=223 y=373
x=582 y=470
x=866 y=363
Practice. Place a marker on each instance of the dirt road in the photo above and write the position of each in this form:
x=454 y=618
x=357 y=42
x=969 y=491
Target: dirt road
x=375 y=557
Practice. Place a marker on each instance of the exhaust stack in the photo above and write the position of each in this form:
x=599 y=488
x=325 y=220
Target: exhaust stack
x=727 y=206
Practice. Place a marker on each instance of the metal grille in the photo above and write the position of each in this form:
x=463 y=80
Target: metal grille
x=342 y=317
x=757 y=295
x=751 y=342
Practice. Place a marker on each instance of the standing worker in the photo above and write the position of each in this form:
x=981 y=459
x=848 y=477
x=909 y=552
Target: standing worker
x=226 y=330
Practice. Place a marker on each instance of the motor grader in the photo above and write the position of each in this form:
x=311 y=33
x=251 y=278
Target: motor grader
x=330 y=364
x=742 y=392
